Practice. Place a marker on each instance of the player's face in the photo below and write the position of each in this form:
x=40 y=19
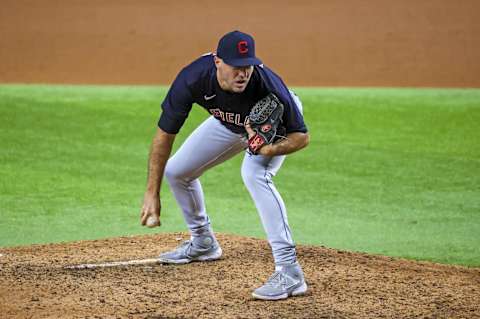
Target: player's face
x=231 y=78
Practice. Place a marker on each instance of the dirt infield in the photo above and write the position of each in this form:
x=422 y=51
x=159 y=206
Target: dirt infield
x=313 y=43
x=34 y=284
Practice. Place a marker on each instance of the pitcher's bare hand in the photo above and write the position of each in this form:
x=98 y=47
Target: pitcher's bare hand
x=150 y=214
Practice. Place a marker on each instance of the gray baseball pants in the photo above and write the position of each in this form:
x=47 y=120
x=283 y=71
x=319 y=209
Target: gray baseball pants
x=218 y=144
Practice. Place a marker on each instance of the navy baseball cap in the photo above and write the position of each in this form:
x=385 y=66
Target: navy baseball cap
x=237 y=49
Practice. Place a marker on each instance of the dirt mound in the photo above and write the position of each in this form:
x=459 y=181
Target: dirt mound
x=35 y=284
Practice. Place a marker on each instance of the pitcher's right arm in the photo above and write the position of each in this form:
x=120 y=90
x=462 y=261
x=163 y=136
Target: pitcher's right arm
x=159 y=154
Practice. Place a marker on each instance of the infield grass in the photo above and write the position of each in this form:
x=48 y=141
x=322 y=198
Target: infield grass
x=388 y=171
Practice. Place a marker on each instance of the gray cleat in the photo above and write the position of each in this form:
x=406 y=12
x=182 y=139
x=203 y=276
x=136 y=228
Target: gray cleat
x=286 y=282
x=187 y=252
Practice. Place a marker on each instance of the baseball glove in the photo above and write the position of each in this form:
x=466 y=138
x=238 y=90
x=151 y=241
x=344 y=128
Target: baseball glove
x=265 y=120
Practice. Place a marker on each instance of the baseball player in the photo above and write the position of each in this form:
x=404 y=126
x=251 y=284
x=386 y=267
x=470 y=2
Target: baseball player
x=227 y=84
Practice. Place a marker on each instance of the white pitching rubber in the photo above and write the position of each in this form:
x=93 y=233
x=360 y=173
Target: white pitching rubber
x=115 y=264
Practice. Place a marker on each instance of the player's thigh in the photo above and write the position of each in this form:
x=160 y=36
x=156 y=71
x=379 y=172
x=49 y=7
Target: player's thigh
x=208 y=145
x=259 y=167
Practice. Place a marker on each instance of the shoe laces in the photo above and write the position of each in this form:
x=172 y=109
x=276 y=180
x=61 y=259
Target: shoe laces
x=277 y=279
x=185 y=245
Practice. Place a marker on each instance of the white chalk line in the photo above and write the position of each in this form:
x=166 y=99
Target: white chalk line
x=115 y=264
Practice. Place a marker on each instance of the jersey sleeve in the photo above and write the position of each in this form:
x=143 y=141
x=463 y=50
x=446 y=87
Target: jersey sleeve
x=177 y=105
x=292 y=114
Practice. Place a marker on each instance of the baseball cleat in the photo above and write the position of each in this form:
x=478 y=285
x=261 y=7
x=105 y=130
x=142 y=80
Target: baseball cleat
x=286 y=282
x=187 y=252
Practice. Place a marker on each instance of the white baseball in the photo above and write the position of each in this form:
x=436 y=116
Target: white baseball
x=152 y=221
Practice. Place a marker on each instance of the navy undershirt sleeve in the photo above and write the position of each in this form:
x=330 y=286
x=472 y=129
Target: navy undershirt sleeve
x=176 y=106
x=292 y=117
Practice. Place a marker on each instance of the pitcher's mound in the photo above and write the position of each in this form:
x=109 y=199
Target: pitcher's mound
x=35 y=284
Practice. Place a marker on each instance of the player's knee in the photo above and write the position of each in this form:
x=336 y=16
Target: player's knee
x=252 y=177
x=172 y=173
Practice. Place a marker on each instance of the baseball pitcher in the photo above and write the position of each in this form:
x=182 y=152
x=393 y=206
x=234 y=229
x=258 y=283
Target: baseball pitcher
x=252 y=110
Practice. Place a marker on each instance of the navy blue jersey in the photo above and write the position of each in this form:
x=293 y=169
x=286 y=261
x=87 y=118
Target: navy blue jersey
x=197 y=83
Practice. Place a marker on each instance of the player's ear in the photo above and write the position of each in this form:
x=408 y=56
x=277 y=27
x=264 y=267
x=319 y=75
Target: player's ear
x=217 y=61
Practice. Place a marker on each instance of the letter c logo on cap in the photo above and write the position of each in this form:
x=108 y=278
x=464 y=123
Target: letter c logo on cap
x=242 y=47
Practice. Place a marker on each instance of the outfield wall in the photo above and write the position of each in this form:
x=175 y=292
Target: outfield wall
x=313 y=43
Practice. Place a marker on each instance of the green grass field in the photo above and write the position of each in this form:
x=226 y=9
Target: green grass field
x=388 y=171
